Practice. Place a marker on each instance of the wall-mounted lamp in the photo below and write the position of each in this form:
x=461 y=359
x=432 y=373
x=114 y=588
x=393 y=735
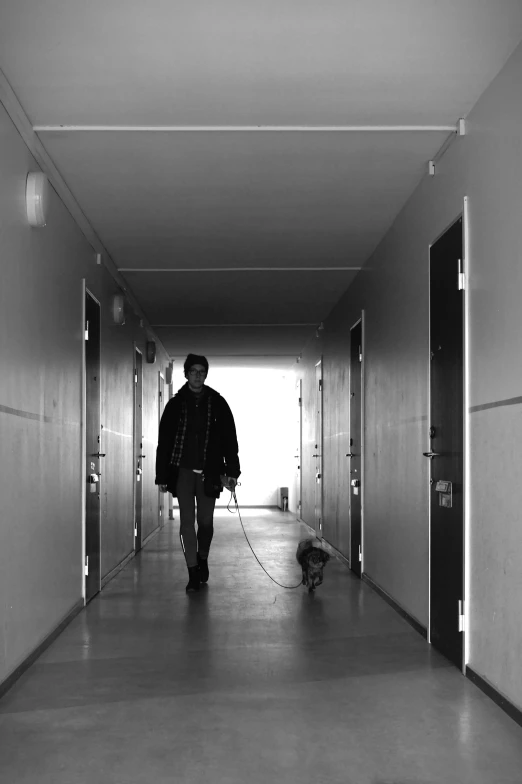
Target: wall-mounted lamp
x=118 y=308
x=36 y=198
x=150 y=351
x=319 y=329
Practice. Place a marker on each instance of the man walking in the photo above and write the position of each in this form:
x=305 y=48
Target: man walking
x=197 y=456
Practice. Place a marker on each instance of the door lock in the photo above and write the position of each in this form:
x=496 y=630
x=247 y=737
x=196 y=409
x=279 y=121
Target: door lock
x=92 y=481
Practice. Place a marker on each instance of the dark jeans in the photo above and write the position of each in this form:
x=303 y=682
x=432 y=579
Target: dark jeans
x=189 y=490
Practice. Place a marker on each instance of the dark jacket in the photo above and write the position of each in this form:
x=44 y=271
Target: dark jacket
x=218 y=452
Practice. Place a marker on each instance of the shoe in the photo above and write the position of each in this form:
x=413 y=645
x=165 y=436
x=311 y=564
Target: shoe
x=194 y=581
x=203 y=569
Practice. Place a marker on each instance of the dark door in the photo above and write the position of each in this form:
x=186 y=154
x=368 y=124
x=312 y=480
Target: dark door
x=318 y=454
x=138 y=446
x=161 y=406
x=446 y=443
x=170 y=394
x=355 y=454
x=92 y=444
x=299 y=447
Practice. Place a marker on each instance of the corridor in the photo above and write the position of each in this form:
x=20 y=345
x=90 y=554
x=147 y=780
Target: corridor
x=247 y=682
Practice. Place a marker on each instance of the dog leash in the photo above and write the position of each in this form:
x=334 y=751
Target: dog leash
x=232 y=511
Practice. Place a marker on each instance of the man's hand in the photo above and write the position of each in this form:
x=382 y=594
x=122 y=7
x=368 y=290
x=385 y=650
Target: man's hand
x=228 y=482
x=163 y=488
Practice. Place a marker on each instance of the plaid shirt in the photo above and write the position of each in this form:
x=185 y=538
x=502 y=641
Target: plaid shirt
x=220 y=452
x=179 y=441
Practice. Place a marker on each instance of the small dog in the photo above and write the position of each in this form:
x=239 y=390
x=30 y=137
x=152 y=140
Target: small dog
x=312 y=559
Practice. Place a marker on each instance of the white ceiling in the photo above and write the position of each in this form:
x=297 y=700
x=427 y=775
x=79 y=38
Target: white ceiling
x=201 y=199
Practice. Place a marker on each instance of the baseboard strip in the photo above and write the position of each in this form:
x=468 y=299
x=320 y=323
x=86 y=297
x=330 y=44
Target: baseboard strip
x=512 y=711
x=46 y=642
x=150 y=536
x=335 y=552
x=117 y=569
x=397 y=607
x=80 y=604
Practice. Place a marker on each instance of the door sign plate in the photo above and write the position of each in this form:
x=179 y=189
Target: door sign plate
x=445 y=491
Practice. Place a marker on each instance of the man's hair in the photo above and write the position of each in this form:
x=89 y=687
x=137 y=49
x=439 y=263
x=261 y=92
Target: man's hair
x=195 y=359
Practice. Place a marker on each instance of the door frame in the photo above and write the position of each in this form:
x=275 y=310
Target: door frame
x=83 y=440
x=83 y=437
x=319 y=392
x=466 y=497
x=363 y=431
x=464 y=215
x=299 y=504
x=170 y=395
x=161 y=408
x=362 y=322
x=136 y=350
x=296 y=493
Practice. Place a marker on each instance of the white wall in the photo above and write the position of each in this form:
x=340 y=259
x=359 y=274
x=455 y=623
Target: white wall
x=263 y=405
x=41 y=462
x=486 y=166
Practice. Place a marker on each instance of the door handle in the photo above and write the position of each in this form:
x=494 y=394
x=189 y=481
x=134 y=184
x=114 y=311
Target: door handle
x=98 y=454
x=432 y=454
x=351 y=454
x=142 y=456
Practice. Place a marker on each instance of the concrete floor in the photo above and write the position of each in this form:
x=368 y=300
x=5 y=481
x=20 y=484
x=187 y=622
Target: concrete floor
x=246 y=682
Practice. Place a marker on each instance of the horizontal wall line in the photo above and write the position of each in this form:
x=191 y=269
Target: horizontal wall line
x=225 y=326
x=244 y=128
x=49 y=420
x=239 y=269
x=241 y=356
x=511 y=401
